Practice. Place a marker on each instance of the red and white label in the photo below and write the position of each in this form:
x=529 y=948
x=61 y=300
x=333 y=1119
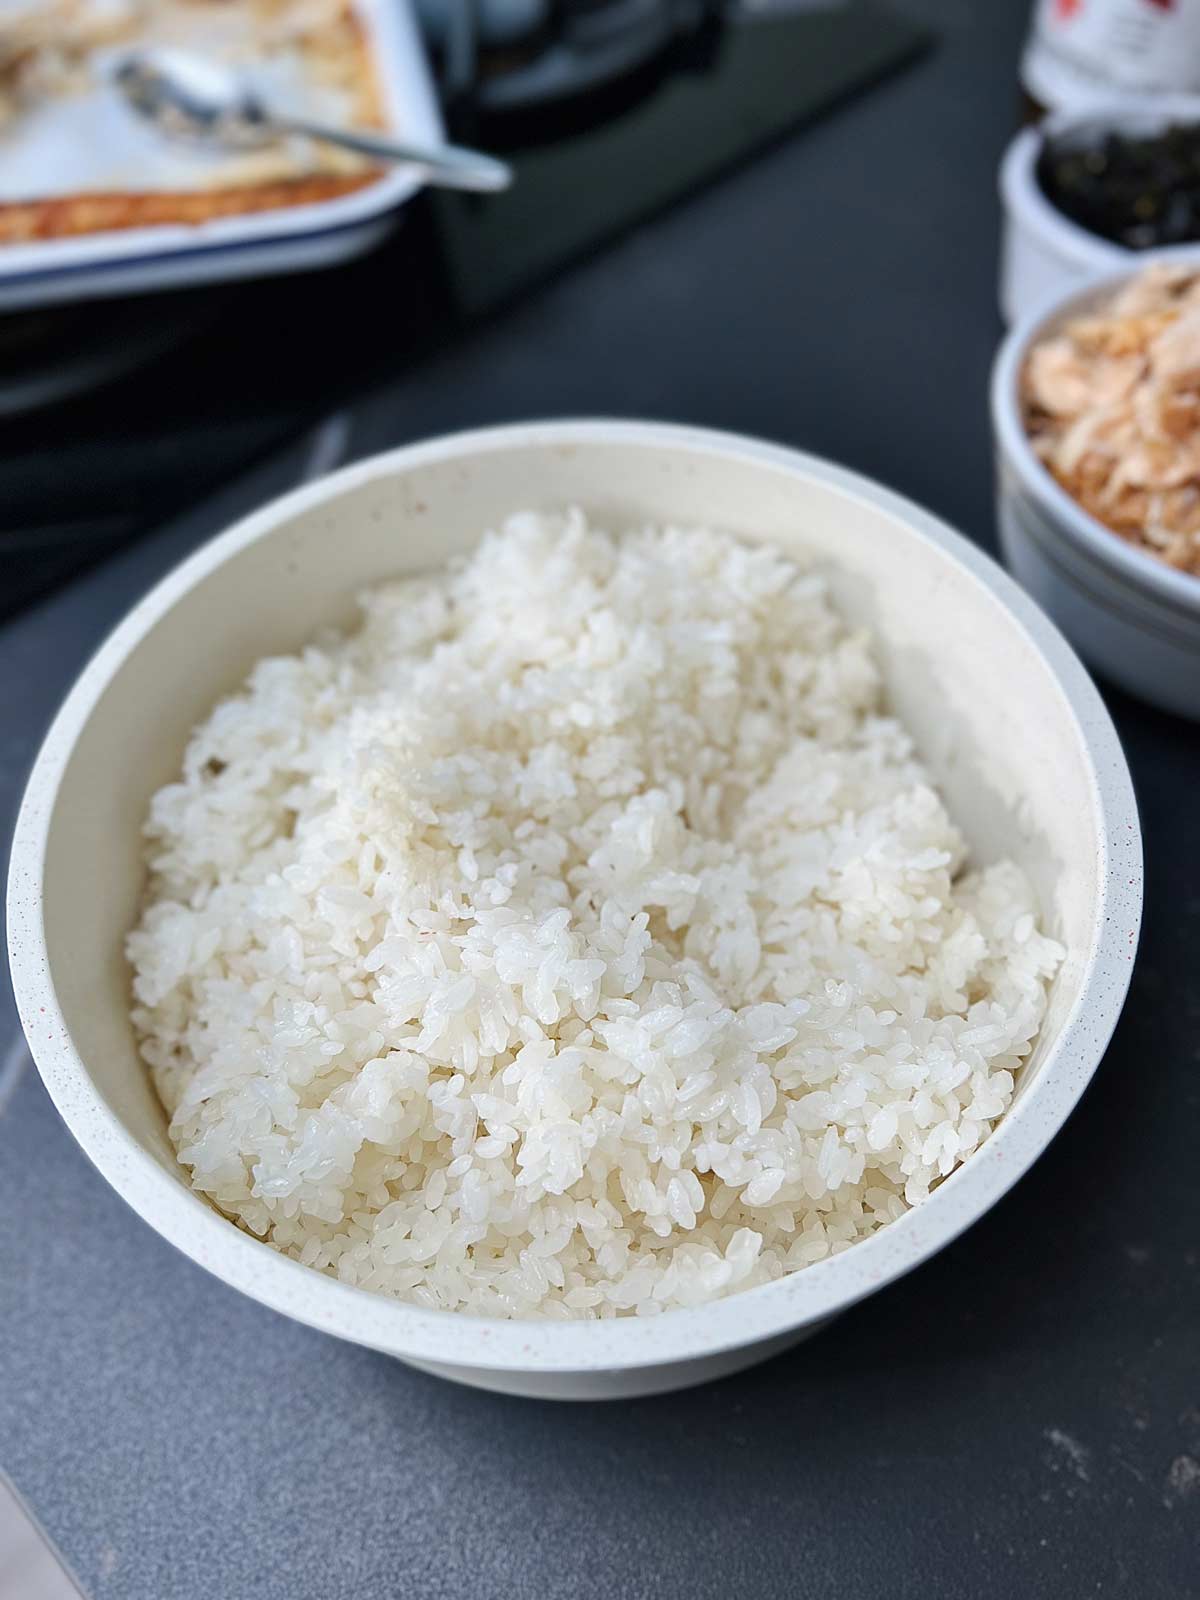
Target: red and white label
x=1081 y=51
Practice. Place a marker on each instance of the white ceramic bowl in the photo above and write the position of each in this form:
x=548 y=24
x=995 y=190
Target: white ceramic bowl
x=1044 y=255
x=1004 y=713
x=1129 y=614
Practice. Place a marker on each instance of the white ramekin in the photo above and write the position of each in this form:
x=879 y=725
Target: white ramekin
x=1007 y=718
x=1043 y=255
x=1129 y=614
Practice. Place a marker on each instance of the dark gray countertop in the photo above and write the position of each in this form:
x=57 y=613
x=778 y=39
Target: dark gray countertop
x=1019 y=1418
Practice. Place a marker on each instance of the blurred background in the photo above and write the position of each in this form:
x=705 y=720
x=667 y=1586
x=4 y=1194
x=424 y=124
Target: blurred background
x=782 y=217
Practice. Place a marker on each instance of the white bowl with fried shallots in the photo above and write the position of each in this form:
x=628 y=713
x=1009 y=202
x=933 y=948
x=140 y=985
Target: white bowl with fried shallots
x=1131 y=614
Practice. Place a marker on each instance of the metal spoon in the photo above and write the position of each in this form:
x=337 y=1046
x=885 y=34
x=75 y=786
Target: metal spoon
x=186 y=94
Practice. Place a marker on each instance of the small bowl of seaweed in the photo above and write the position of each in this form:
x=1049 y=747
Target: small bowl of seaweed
x=1086 y=191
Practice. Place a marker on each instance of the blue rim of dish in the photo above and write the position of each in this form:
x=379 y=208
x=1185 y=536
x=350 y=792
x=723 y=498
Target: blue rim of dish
x=126 y=264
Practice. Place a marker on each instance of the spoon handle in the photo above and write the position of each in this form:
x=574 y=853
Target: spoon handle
x=448 y=165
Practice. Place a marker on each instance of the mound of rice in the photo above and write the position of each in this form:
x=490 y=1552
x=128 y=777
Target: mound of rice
x=577 y=938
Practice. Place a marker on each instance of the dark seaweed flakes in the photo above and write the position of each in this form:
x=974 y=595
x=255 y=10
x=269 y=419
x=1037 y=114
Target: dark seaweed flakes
x=1140 y=191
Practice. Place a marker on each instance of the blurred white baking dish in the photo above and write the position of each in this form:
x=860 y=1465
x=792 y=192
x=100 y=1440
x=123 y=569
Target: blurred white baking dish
x=257 y=243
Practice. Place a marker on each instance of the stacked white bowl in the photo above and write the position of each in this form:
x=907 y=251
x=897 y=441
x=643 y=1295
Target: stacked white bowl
x=1129 y=614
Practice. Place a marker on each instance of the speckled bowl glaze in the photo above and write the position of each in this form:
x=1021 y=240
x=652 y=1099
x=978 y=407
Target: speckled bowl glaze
x=1132 y=616
x=1005 y=716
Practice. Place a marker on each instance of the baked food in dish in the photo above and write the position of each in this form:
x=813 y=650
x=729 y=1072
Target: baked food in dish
x=311 y=56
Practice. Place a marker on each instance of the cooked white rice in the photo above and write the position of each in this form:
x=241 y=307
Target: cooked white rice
x=575 y=939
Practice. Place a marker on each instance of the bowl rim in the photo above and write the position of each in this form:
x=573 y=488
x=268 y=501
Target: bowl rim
x=1144 y=571
x=457 y=1339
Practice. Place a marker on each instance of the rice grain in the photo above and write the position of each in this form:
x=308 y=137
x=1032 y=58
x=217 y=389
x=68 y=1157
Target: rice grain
x=578 y=938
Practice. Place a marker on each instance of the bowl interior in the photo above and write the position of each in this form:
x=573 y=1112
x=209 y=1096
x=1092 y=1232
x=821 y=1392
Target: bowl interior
x=989 y=712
